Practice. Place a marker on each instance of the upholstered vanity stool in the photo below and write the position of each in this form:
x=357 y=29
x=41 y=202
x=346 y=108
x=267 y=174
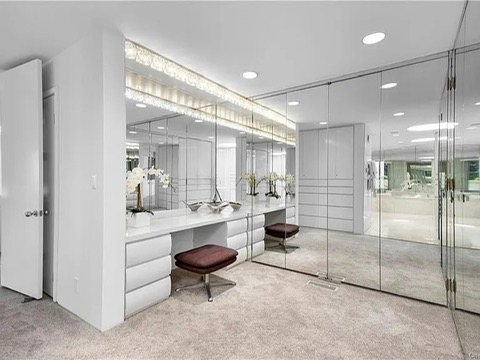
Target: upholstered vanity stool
x=205 y=260
x=282 y=232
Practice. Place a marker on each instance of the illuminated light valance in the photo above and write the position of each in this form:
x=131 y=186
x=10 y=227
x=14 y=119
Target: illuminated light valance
x=157 y=62
x=148 y=99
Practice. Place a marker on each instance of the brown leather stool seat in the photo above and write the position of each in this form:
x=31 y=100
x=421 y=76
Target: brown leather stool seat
x=205 y=260
x=281 y=232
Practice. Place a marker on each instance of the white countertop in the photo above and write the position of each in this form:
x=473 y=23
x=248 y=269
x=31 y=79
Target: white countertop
x=166 y=222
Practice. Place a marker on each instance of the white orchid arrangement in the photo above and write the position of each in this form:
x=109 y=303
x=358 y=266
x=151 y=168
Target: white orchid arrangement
x=135 y=179
x=272 y=178
x=289 y=184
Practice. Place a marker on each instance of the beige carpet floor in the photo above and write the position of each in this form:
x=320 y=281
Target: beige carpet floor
x=269 y=314
x=407 y=268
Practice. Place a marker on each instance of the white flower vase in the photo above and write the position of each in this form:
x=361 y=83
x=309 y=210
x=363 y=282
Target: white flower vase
x=140 y=219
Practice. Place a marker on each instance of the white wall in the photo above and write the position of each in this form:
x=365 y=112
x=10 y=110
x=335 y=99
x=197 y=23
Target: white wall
x=89 y=76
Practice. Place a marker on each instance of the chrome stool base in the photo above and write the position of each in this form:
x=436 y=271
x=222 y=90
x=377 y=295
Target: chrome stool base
x=205 y=282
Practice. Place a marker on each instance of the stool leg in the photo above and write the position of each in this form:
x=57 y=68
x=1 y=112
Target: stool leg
x=207 y=286
x=193 y=286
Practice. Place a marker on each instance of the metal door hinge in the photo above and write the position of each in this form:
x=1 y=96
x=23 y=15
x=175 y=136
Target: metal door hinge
x=451 y=285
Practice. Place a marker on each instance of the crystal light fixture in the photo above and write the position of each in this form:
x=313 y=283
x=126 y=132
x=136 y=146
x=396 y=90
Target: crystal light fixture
x=157 y=62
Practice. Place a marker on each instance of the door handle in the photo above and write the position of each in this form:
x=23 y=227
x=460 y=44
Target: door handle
x=30 y=213
x=46 y=212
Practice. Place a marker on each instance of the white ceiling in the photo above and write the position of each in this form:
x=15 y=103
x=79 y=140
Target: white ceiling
x=287 y=43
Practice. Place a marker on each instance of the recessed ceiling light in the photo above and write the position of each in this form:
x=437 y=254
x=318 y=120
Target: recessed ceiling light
x=389 y=85
x=198 y=121
x=293 y=103
x=477 y=103
x=242 y=132
x=140 y=105
x=279 y=143
x=160 y=127
x=260 y=137
x=432 y=127
x=249 y=75
x=400 y=142
x=426 y=158
x=132 y=132
x=211 y=137
x=373 y=38
x=323 y=123
x=472 y=128
x=395 y=133
x=399 y=114
x=161 y=142
x=423 y=140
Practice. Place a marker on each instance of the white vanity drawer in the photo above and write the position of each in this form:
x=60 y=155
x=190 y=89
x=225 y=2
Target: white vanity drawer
x=256 y=235
x=143 y=251
x=148 y=295
x=148 y=272
x=236 y=227
x=256 y=222
x=258 y=249
x=237 y=241
x=340 y=225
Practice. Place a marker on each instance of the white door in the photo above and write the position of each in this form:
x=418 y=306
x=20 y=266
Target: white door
x=22 y=178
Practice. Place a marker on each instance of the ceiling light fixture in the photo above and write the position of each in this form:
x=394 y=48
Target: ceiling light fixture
x=399 y=114
x=148 y=99
x=198 y=120
x=249 y=75
x=400 y=142
x=260 y=137
x=132 y=132
x=441 y=138
x=395 y=133
x=432 y=127
x=211 y=137
x=293 y=103
x=373 y=38
x=323 y=123
x=160 y=127
x=242 y=132
x=471 y=128
x=388 y=86
x=477 y=103
x=426 y=158
x=159 y=63
x=140 y=105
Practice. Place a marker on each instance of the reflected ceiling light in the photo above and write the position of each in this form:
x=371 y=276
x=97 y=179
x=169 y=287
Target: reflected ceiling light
x=373 y=38
x=472 y=128
x=293 y=103
x=161 y=143
x=198 y=120
x=441 y=138
x=423 y=140
x=388 y=86
x=149 y=99
x=132 y=132
x=323 y=123
x=260 y=137
x=242 y=132
x=279 y=154
x=400 y=142
x=432 y=127
x=140 y=105
x=160 y=127
x=211 y=137
x=399 y=114
x=426 y=158
x=249 y=75
x=477 y=103
x=395 y=133
x=227 y=146
x=159 y=63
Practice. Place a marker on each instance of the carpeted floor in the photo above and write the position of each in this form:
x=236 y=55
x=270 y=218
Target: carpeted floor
x=408 y=268
x=269 y=314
